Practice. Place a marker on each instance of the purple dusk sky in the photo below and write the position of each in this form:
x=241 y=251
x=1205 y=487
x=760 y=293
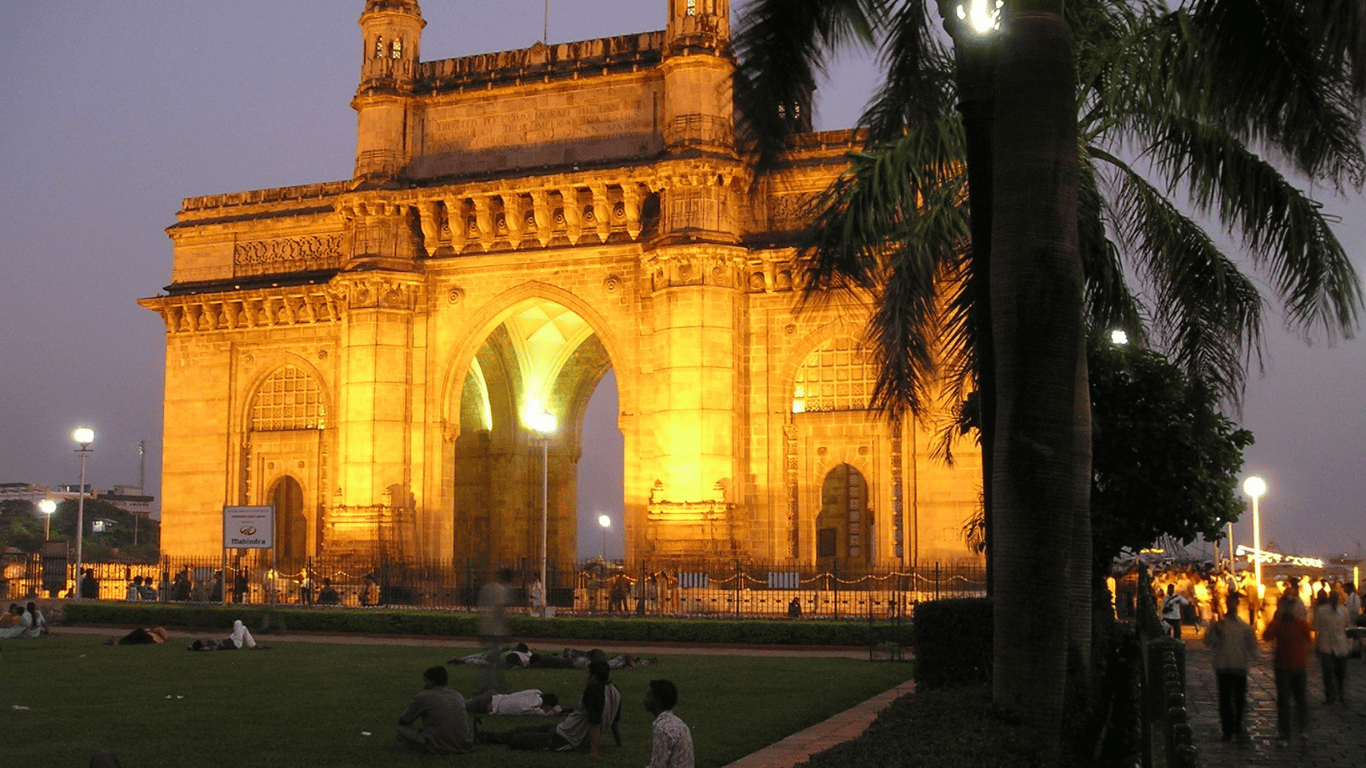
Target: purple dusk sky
x=117 y=111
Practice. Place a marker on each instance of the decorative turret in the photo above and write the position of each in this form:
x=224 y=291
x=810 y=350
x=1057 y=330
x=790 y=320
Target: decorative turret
x=701 y=24
x=392 y=34
x=698 y=66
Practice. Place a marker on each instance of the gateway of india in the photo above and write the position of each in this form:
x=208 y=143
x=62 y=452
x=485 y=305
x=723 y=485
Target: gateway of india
x=370 y=355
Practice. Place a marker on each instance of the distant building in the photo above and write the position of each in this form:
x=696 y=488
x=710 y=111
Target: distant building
x=129 y=498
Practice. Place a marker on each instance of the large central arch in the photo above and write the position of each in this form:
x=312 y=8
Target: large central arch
x=540 y=352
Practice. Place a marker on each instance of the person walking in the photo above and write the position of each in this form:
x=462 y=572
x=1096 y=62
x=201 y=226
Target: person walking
x=1291 y=661
x=1234 y=644
x=493 y=628
x=1330 y=642
x=1171 y=610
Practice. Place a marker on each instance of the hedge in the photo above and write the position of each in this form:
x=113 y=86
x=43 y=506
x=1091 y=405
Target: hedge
x=953 y=643
x=381 y=621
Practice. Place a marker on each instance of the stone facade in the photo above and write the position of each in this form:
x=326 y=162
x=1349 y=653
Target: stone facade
x=368 y=355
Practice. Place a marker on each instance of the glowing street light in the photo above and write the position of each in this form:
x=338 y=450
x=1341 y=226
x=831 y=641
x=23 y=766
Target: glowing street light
x=982 y=16
x=1254 y=486
x=1119 y=338
x=605 y=522
x=47 y=507
x=83 y=436
x=544 y=426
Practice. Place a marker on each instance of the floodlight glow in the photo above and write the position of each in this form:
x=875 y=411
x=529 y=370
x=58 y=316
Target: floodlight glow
x=47 y=506
x=983 y=16
x=84 y=435
x=1254 y=486
x=1119 y=338
x=545 y=423
x=604 y=521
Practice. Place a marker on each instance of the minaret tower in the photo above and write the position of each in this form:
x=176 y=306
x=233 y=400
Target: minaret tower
x=392 y=33
x=698 y=66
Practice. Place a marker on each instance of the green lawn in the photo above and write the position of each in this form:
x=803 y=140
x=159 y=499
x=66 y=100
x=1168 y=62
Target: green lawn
x=303 y=704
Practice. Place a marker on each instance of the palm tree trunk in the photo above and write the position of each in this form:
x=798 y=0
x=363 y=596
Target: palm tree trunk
x=1042 y=436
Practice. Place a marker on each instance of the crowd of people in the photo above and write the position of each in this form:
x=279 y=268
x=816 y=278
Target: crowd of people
x=1301 y=617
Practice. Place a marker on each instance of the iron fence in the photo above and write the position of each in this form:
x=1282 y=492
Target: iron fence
x=674 y=588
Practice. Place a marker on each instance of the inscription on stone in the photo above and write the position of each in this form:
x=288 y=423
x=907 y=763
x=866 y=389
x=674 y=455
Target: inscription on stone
x=522 y=121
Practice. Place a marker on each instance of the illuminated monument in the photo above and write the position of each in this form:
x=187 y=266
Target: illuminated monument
x=368 y=355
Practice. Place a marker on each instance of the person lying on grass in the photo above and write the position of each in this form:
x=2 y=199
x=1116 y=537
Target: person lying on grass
x=153 y=636
x=598 y=706
x=240 y=639
x=529 y=702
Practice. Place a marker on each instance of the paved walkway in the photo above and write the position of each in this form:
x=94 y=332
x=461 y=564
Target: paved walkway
x=1336 y=734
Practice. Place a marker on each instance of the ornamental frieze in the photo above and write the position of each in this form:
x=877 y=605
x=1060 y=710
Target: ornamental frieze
x=287 y=254
x=212 y=314
x=365 y=292
x=792 y=212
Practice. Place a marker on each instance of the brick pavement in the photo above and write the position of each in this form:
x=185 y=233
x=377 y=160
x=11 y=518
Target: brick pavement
x=1336 y=734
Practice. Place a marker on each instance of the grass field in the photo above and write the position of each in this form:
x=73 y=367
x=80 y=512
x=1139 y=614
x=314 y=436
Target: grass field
x=305 y=704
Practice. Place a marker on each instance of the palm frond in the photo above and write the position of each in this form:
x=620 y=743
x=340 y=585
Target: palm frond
x=1287 y=73
x=891 y=229
x=919 y=86
x=783 y=46
x=1206 y=313
x=1283 y=229
x=1109 y=303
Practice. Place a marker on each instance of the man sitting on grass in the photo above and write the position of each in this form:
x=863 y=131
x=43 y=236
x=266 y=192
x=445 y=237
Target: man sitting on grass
x=445 y=728
x=600 y=705
x=671 y=741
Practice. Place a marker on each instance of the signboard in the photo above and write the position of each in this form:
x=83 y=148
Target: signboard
x=248 y=527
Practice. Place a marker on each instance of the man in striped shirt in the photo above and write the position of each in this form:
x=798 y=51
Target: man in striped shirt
x=671 y=741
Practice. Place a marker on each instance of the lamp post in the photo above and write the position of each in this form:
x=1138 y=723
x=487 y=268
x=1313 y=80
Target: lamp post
x=83 y=436
x=1254 y=486
x=545 y=427
x=47 y=507
x=972 y=24
x=605 y=522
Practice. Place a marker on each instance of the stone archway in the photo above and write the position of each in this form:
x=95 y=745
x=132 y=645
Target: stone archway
x=843 y=527
x=291 y=524
x=541 y=357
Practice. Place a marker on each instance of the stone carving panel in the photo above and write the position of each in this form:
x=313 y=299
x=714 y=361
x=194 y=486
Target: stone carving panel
x=287 y=254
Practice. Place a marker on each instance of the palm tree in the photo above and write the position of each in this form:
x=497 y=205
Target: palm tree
x=1185 y=94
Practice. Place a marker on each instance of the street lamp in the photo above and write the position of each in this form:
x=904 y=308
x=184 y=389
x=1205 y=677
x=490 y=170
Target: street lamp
x=605 y=522
x=544 y=427
x=47 y=507
x=1255 y=486
x=84 y=436
x=971 y=24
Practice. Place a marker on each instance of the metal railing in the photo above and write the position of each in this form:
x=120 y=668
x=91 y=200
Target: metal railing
x=675 y=588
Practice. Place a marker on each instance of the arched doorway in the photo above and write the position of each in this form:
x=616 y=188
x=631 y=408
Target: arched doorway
x=542 y=358
x=844 y=527
x=291 y=525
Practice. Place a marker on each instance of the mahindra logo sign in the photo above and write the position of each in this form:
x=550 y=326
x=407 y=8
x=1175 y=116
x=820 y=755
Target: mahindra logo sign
x=247 y=530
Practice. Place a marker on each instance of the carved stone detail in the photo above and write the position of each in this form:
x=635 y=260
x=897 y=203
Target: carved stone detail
x=287 y=254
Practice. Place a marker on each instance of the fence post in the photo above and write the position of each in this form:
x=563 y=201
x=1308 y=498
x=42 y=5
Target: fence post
x=936 y=580
x=835 y=584
x=737 y=589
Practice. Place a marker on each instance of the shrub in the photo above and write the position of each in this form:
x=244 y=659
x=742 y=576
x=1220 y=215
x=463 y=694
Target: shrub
x=953 y=643
x=464 y=624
